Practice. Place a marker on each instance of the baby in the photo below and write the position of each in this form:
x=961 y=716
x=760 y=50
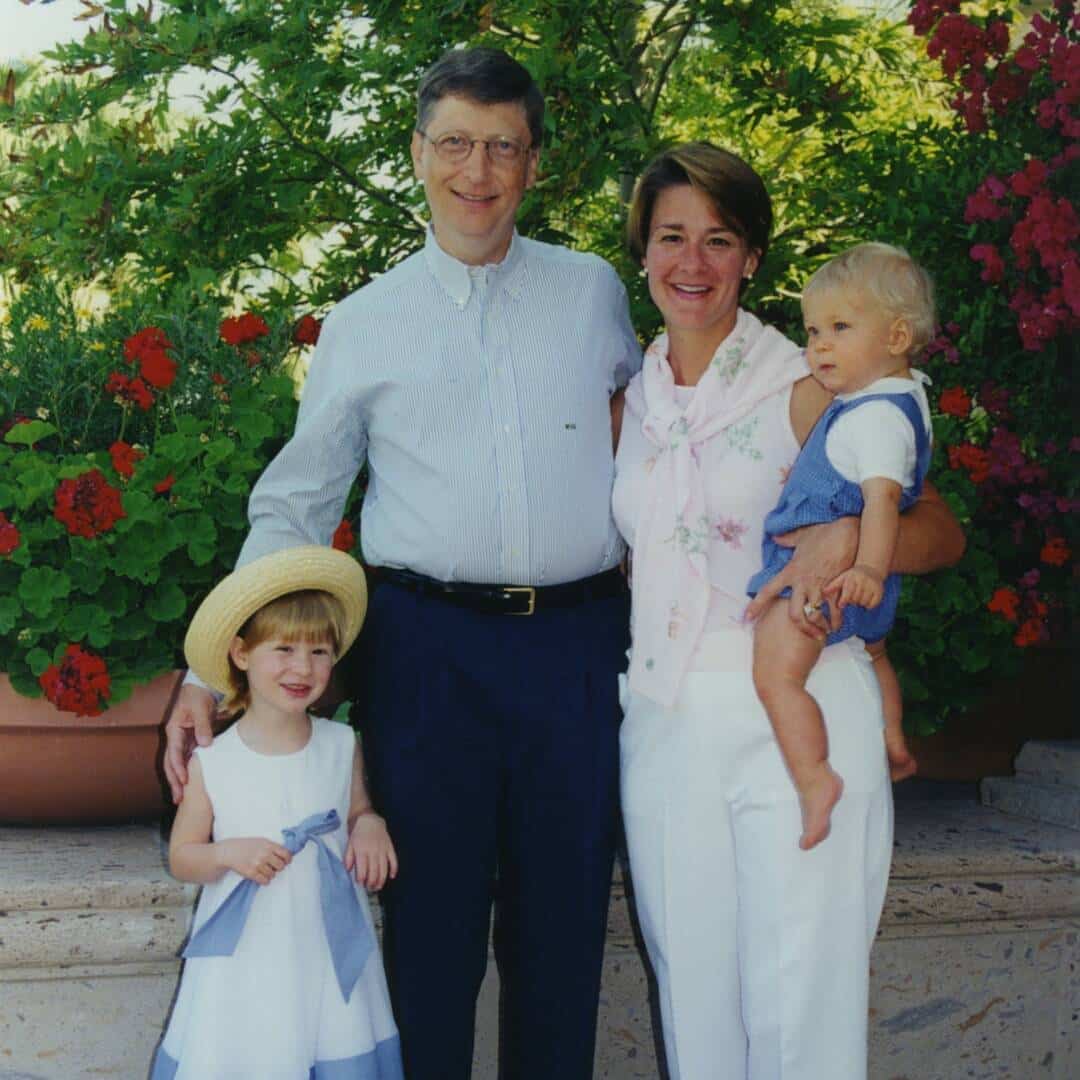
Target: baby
x=868 y=314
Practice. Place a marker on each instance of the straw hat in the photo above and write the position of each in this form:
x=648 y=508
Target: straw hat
x=237 y=597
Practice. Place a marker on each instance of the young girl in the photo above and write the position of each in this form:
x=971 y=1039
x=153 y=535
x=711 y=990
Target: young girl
x=868 y=313
x=283 y=979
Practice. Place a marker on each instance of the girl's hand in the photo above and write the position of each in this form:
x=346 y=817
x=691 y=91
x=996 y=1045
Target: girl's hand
x=254 y=858
x=861 y=585
x=370 y=852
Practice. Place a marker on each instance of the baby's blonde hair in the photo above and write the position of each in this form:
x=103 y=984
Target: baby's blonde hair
x=309 y=615
x=889 y=277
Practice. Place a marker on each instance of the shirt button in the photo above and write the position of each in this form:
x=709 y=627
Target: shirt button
x=506 y=428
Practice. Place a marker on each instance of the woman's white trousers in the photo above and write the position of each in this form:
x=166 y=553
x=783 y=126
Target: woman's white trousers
x=761 y=951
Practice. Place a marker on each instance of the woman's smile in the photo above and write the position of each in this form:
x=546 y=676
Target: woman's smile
x=695 y=264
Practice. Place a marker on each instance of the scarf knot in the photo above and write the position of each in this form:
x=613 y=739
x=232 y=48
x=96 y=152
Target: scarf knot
x=671 y=581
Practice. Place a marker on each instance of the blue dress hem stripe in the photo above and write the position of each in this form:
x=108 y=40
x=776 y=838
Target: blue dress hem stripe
x=381 y=1063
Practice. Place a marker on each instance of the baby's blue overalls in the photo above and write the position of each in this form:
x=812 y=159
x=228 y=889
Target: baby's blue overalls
x=816 y=492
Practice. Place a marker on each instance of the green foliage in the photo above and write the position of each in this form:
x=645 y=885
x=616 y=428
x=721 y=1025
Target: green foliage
x=126 y=591
x=261 y=147
x=266 y=142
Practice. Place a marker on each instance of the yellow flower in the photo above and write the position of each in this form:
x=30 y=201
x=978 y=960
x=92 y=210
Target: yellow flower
x=37 y=322
x=97 y=346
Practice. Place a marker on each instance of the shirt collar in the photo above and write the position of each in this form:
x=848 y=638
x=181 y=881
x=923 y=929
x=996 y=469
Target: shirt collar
x=891 y=384
x=457 y=277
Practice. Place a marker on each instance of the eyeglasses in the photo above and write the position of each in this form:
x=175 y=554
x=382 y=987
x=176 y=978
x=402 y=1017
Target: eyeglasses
x=456 y=146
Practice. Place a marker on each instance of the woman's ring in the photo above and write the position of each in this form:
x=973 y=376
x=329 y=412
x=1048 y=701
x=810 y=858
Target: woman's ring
x=810 y=610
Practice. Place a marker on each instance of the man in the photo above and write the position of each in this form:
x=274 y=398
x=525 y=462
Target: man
x=474 y=378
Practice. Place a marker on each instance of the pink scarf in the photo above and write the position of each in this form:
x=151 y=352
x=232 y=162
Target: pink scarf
x=670 y=575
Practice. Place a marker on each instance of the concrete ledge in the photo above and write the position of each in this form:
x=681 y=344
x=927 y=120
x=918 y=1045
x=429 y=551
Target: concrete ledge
x=975 y=973
x=1052 y=762
x=1046 y=786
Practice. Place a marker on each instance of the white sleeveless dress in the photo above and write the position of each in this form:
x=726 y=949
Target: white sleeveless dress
x=274 y=1010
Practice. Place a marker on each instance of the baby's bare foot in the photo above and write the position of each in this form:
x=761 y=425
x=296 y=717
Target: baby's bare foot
x=901 y=762
x=816 y=800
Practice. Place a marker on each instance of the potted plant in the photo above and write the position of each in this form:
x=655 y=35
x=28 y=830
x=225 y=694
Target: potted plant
x=129 y=441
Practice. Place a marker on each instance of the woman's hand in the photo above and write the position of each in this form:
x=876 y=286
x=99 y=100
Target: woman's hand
x=370 y=852
x=254 y=857
x=822 y=553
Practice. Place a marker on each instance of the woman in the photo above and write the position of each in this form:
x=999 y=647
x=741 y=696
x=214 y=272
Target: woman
x=761 y=950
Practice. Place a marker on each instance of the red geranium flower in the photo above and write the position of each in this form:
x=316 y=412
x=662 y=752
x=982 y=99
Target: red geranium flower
x=1030 y=632
x=150 y=340
x=134 y=390
x=124 y=456
x=973 y=458
x=1055 y=552
x=7 y=425
x=344 y=537
x=217 y=378
x=148 y=348
x=955 y=402
x=79 y=683
x=163 y=485
x=9 y=535
x=306 y=331
x=1005 y=601
x=240 y=329
x=88 y=504
x=158 y=369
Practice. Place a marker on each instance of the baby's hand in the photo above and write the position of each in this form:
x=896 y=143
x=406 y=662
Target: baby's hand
x=370 y=852
x=861 y=585
x=254 y=857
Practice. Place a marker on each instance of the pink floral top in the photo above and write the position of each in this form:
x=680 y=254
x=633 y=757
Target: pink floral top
x=745 y=468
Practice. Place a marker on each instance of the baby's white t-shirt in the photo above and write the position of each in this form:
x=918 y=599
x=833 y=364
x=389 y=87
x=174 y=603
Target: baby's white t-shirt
x=877 y=439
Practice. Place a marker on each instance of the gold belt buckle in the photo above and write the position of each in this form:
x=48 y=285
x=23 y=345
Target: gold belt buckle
x=525 y=589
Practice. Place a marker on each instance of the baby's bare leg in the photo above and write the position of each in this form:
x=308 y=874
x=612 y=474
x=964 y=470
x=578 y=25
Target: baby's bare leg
x=901 y=762
x=783 y=659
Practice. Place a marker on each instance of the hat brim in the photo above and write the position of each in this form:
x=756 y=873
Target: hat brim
x=250 y=587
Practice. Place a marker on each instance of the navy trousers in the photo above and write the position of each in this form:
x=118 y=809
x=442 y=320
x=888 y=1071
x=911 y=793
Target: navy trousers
x=492 y=748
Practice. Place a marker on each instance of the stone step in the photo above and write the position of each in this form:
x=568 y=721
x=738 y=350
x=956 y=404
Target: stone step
x=1051 y=763
x=975 y=960
x=1052 y=803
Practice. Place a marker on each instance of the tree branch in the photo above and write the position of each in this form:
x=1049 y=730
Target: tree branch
x=665 y=65
x=513 y=32
x=658 y=27
x=623 y=64
x=353 y=180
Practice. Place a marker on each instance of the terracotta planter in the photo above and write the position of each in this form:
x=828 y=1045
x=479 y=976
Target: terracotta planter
x=1038 y=703
x=57 y=768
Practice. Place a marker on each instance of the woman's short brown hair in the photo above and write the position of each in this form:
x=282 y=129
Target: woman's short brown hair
x=736 y=192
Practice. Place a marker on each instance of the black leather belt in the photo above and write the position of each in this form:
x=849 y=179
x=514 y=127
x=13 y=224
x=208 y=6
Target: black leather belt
x=507 y=599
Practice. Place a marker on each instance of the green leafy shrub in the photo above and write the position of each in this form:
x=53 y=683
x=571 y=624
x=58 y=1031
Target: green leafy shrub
x=129 y=442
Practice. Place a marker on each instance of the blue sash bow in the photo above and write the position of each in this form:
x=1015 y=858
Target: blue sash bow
x=347 y=931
